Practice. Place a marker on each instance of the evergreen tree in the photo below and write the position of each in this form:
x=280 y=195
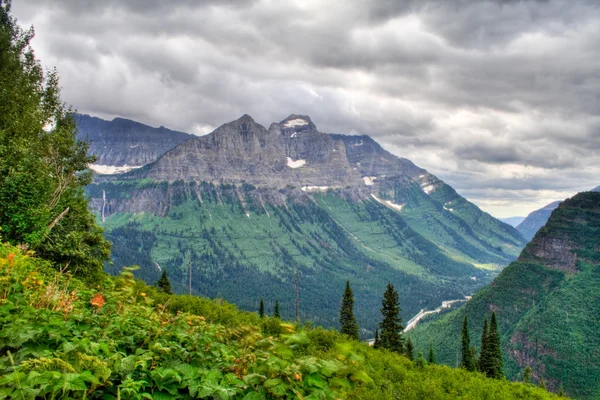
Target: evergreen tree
x=542 y=384
x=561 y=391
x=163 y=283
x=419 y=362
x=527 y=375
x=276 y=310
x=409 y=351
x=483 y=353
x=495 y=351
x=42 y=164
x=467 y=361
x=391 y=326
x=431 y=355
x=376 y=343
x=348 y=323
x=261 y=308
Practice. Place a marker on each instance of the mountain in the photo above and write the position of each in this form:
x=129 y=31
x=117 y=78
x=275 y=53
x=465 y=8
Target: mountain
x=512 y=221
x=243 y=212
x=547 y=302
x=534 y=221
x=121 y=144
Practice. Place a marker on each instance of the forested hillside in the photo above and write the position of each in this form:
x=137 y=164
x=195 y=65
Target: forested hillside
x=547 y=302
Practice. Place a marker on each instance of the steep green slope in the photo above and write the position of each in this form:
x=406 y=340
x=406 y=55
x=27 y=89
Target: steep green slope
x=241 y=249
x=121 y=339
x=548 y=304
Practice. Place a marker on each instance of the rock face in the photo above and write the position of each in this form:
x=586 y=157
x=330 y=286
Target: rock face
x=534 y=221
x=122 y=143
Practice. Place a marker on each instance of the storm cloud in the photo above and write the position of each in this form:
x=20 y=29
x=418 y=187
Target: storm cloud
x=501 y=99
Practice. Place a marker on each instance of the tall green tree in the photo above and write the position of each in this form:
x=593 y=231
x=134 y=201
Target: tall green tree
x=376 y=343
x=496 y=363
x=163 y=284
x=390 y=335
x=483 y=362
x=42 y=164
x=467 y=362
x=431 y=355
x=527 y=374
x=276 y=313
x=409 y=350
x=261 y=308
x=348 y=323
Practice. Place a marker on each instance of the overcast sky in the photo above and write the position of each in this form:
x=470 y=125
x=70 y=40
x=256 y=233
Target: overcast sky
x=501 y=99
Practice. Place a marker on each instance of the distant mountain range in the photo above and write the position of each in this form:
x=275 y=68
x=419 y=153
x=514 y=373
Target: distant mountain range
x=122 y=145
x=534 y=221
x=512 y=221
x=547 y=302
x=243 y=211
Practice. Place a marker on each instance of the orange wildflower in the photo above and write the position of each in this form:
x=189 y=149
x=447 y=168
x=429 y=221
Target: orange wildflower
x=98 y=300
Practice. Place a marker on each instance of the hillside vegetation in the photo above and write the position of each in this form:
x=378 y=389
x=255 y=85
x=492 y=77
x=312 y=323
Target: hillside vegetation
x=61 y=338
x=547 y=302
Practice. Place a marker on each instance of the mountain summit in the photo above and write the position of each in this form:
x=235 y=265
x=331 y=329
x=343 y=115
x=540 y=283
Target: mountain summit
x=239 y=212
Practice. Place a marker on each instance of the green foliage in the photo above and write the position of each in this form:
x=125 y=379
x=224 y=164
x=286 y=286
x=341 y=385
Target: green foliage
x=163 y=284
x=547 y=313
x=42 y=202
x=61 y=339
x=390 y=336
x=495 y=363
x=409 y=350
x=431 y=355
x=276 y=313
x=348 y=323
x=527 y=374
x=467 y=362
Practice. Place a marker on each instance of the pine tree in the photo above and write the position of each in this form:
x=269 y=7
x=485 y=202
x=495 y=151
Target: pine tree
x=391 y=326
x=431 y=355
x=483 y=354
x=561 y=391
x=542 y=384
x=261 y=308
x=409 y=351
x=527 y=375
x=495 y=351
x=276 y=310
x=467 y=361
x=376 y=343
x=348 y=323
x=163 y=283
x=42 y=163
x=419 y=362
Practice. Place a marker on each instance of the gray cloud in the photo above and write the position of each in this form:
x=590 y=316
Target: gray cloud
x=499 y=98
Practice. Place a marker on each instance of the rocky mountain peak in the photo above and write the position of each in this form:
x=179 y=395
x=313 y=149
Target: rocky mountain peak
x=295 y=125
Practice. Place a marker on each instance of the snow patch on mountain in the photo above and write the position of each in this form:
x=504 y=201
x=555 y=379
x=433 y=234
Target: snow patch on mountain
x=295 y=163
x=295 y=122
x=112 y=169
x=369 y=180
x=388 y=203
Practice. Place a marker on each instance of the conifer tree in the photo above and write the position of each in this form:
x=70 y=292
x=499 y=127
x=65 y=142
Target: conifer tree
x=483 y=354
x=261 y=308
x=276 y=310
x=163 y=284
x=376 y=341
x=409 y=351
x=391 y=326
x=561 y=391
x=542 y=384
x=467 y=361
x=495 y=351
x=348 y=323
x=419 y=362
x=527 y=375
x=431 y=354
